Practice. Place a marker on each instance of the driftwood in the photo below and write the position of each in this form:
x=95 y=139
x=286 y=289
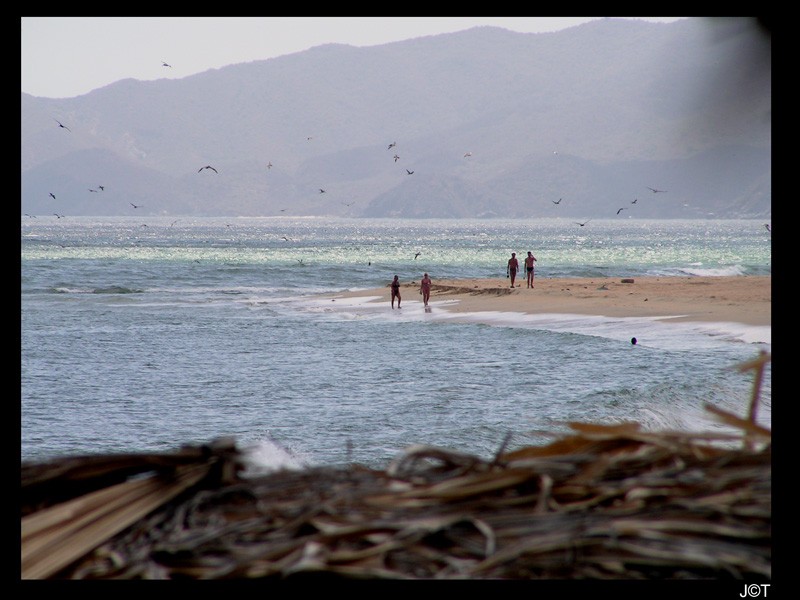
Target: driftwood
x=606 y=502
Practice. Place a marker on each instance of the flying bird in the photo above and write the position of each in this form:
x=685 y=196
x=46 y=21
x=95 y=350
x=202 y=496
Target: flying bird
x=409 y=172
x=163 y=64
x=134 y=205
x=620 y=210
x=208 y=167
x=321 y=191
x=392 y=145
x=269 y=166
x=102 y=187
x=58 y=215
x=52 y=195
x=582 y=224
x=768 y=227
x=416 y=255
x=60 y=124
x=468 y=154
x=635 y=200
x=396 y=158
x=95 y=191
x=556 y=201
x=30 y=216
x=655 y=191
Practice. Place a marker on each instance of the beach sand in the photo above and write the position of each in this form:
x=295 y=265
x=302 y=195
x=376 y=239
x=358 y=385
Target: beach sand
x=735 y=299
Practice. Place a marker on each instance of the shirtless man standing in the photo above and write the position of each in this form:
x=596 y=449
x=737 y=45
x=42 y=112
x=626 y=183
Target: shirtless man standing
x=513 y=267
x=529 y=267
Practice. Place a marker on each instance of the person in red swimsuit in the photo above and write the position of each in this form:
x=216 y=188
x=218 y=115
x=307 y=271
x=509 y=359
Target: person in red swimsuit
x=513 y=267
x=425 y=289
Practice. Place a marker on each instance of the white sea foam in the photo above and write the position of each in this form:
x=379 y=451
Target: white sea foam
x=699 y=271
x=267 y=456
x=658 y=331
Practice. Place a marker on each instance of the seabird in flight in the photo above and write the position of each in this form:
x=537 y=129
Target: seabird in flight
x=416 y=255
x=134 y=205
x=321 y=191
x=60 y=124
x=582 y=224
x=409 y=172
x=468 y=154
x=396 y=158
x=556 y=201
x=620 y=210
x=635 y=200
x=58 y=215
x=163 y=64
x=208 y=167
x=768 y=227
x=52 y=195
x=655 y=191
x=392 y=145
x=102 y=187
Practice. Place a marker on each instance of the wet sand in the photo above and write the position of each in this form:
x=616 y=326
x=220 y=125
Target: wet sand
x=736 y=299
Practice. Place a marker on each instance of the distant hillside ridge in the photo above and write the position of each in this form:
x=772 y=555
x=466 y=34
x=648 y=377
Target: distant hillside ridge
x=480 y=123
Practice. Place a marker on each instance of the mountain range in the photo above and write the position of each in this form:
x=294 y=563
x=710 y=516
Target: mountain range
x=481 y=123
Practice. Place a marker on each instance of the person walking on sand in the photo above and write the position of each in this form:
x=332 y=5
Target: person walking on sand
x=529 y=267
x=512 y=268
x=425 y=289
x=396 y=291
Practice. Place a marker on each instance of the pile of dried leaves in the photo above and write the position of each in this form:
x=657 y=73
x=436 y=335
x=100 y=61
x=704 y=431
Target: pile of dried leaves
x=606 y=502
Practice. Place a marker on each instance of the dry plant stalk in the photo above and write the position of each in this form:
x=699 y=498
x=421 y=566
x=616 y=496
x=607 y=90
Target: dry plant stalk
x=606 y=502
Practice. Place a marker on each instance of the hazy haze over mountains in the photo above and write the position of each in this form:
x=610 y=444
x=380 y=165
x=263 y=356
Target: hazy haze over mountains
x=490 y=122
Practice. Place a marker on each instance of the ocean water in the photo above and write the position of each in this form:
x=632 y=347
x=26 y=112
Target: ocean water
x=145 y=334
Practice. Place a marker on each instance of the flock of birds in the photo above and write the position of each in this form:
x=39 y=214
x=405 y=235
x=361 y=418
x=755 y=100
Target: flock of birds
x=101 y=188
x=634 y=201
x=395 y=156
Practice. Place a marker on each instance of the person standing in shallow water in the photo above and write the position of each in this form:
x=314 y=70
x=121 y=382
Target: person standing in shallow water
x=396 y=291
x=529 y=267
x=425 y=289
x=512 y=268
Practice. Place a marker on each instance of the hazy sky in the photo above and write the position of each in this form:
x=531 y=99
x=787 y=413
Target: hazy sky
x=69 y=56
